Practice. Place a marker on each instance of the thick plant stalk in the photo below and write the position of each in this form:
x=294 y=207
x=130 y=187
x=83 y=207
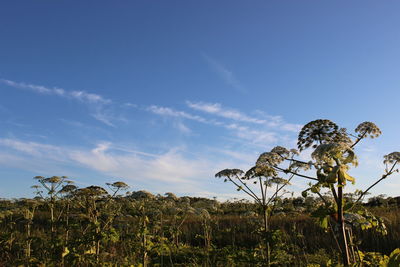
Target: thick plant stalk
x=351 y=248
x=52 y=216
x=342 y=230
x=265 y=220
x=266 y=229
x=162 y=239
x=28 y=242
x=144 y=241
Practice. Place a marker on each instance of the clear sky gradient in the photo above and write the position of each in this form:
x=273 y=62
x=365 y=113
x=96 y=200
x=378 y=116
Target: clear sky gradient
x=163 y=94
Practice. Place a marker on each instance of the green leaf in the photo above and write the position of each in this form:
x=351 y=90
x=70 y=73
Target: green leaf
x=394 y=258
x=344 y=176
x=324 y=222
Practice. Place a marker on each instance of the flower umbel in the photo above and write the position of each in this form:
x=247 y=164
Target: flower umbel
x=368 y=129
x=321 y=131
x=334 y=153
x=392 y=158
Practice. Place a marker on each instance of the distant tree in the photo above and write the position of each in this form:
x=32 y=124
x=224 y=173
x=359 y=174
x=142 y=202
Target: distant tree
x=378 y=200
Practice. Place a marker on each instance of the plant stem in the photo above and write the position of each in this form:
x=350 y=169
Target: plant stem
x=383 y=177
x=342 y=230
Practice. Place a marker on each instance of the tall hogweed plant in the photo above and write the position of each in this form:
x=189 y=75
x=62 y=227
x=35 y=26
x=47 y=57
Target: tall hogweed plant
x=332 y=156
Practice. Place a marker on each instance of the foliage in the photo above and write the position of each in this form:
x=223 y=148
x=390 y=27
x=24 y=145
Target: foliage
x=332 y=156
x=181 y=232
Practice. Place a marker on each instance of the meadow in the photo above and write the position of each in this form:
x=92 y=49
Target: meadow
x=107 y=226
x=91 y=227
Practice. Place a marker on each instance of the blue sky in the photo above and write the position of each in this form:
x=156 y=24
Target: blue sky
x=163 y=94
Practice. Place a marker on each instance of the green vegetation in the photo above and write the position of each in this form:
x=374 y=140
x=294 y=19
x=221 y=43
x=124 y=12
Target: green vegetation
x=69 y=226
x=332 y=156
x=92 y=228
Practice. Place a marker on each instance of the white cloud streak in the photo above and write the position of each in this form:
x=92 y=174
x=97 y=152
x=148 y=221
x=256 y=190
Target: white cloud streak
x=77 y=95
x=253 y=136
x=228 y=113
x=225 y=74
x=218 y=110
x=31 y=148
x=95 y=102
x=182 y=127
x=165 y=111
x=243 y=132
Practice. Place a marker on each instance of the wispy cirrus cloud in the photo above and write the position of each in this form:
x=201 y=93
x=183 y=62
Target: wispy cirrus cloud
x=182 y=127
x=107 y=114
x=178 y=115
x=228 y=113
x=224 y=73
x=97 y=103
x=252 y=135
x=77 y=95
x=165 y=111
x=279 y=122
x=244 y=132
x=31 y=148
x=129 y=105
